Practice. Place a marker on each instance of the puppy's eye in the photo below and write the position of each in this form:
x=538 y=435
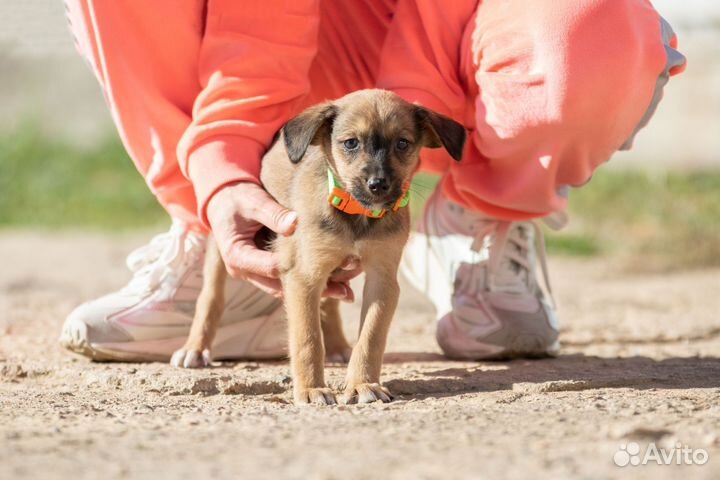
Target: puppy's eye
x=351 y=143
x=402 y=144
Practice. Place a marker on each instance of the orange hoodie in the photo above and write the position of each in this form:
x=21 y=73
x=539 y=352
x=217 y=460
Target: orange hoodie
x=547 y=89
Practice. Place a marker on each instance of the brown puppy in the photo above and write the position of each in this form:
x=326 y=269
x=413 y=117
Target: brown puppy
x=370 y=143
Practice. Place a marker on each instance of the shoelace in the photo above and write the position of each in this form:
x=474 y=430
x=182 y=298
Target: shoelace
x=508 y=263
x=164 y=254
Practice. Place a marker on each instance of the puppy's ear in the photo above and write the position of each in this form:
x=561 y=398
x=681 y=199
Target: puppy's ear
x=307 y=128
x=441 y=131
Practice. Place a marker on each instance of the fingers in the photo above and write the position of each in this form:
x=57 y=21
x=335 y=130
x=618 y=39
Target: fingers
x=344 y=276
x=340 y=291
x=261 y=207
x=273 y=286
x=261 y=268
x=236 y=213
x=351 y=262
x=246 y=259
x=349 y=269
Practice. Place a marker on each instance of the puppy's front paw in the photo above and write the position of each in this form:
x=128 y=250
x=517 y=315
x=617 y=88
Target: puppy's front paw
x=190 y=358
x=317 y=396
x=366 y=393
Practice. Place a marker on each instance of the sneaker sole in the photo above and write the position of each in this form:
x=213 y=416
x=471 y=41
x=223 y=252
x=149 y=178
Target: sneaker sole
x=232 y=342
x=535 y=343
x=506 y=354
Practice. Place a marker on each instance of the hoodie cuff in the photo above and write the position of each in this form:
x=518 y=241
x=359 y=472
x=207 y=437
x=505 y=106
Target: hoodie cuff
x=220 y=161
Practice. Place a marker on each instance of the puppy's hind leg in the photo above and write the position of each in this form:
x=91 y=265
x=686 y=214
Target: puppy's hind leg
x=208 y=311
x=337 y=348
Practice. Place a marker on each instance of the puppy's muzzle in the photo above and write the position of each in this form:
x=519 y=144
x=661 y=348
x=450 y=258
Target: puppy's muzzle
x=378 y=186
x=377 y=192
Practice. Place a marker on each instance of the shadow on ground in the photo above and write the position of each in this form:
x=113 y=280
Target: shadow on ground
x=566 y=373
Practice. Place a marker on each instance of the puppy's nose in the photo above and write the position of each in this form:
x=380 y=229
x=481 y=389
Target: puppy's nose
x=378 y=185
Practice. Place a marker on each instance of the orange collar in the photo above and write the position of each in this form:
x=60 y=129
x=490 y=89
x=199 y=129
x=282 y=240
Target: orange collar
x=345 y=202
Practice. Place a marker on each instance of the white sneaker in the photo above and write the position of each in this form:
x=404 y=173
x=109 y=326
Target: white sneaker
x=150 y=317
x=480 y=274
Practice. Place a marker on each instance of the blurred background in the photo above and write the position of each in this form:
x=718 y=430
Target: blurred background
x=62 y=166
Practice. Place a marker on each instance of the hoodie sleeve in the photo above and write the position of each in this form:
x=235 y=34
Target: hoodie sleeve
x=253 y=69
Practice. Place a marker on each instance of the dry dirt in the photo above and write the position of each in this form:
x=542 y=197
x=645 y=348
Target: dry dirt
x=640 y=363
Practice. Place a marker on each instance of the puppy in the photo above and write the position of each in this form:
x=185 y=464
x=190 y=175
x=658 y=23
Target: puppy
x=345 y=168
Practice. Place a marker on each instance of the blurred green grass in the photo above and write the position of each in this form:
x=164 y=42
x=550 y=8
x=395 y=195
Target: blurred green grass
x=652 y=221
x=46 y=183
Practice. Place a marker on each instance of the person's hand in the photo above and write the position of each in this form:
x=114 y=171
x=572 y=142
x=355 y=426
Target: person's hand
x=236 y=213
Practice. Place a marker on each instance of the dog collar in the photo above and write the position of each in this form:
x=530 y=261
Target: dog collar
x=345 y=202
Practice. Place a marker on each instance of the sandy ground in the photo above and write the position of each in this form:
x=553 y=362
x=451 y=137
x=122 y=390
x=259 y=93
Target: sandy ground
x=640 y=363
